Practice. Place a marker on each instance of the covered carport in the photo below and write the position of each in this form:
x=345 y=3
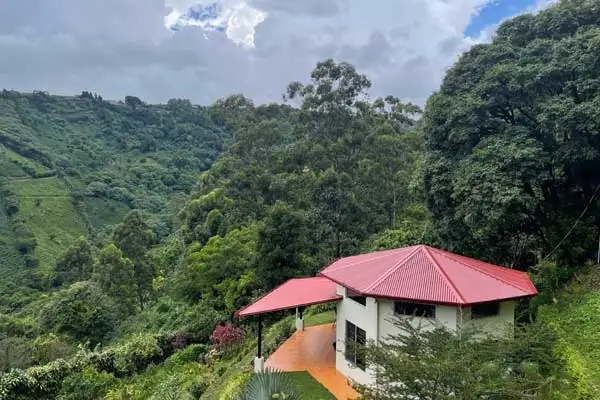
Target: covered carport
x=295 y=293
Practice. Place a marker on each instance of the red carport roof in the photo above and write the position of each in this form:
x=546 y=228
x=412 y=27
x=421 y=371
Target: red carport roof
x=429 y=275
x=293 y=293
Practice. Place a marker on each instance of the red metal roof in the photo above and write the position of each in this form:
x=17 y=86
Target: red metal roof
x=422 y=273
x=293 y=293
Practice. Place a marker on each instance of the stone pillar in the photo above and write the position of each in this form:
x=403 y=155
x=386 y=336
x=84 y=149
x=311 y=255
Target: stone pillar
x=299 y=324
x=299 y=319
x=259 y=365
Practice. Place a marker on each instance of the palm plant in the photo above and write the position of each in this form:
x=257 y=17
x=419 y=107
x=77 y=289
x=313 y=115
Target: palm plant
x=269 y=385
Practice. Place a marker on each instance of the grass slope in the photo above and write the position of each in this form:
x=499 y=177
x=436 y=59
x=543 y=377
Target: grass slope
x=46 y=208
x=576 y=318
x=12 y=267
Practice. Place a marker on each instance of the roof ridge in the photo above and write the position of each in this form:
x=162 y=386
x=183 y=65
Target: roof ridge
x=394 y=268
x=364 y=261
x=444 y=274
x=453 y=257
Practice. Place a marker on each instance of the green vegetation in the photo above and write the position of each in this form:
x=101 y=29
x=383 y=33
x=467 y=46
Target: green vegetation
x=74 y=166
x=576 y=318
x=129 y=232
x=45 y=205
x=327 y=317
x=290 y=385
x=442 y=364
x=308 y=387
x=511 y=139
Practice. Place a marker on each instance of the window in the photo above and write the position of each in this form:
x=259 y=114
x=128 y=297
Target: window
x=484 y=310
x=414 y=309
x=356 y=339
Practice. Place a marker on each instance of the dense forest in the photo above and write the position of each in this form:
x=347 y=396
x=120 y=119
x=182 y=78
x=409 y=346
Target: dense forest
x=131 y=233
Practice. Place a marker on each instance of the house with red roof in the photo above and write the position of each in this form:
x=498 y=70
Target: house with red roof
x=432 y=287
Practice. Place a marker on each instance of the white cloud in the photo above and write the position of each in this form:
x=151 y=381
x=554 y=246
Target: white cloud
x=236 y=18
x=122 y=47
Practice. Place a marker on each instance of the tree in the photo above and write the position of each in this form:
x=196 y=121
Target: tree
x=329 y=110
x=213 y=271
x=337 y=213
x=116 y=276
x=438 y=364
x=135 y=237
x=196 y=212
x=76 y=264
x=282 y=248
x=81 y=311
x=511 y=140
x=133 y=102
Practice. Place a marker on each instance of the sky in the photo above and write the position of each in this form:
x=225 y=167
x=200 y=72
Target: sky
x=203 y=50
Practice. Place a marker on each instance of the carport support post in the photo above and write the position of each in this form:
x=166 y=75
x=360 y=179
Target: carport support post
x=299 y=319
x=259 y=361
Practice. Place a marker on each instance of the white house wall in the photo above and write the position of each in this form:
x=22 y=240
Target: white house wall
x=444 y=315
x=497 y=325
x=377 y=318
x=364 y=317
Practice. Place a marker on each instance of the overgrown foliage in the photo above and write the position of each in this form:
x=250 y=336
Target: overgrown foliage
x=438 y=364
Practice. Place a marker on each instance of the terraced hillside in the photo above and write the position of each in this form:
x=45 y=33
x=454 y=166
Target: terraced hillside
x=74 y=166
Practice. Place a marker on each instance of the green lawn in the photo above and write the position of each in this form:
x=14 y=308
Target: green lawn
x=308 y=388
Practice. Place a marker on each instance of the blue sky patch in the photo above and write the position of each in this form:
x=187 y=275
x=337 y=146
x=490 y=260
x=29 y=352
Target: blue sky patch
x=496 y=11
x=203 y=13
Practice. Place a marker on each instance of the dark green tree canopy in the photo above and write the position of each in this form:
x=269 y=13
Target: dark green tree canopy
x=82 y=311
x=77 y=263
x=513 y=150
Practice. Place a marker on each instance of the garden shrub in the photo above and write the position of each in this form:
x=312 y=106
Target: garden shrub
x=277 y=334
x=137 y=353
x=224 y=337
x=199 y=386
x=87 y=384
x=234 y=386
x=192 y=353
x=321 y=308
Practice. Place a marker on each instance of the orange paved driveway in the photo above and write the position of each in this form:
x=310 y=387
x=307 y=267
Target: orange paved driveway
x=312 y=351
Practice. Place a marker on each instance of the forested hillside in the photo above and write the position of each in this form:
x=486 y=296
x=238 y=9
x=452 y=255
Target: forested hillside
x=72 y=167
x=131 y=233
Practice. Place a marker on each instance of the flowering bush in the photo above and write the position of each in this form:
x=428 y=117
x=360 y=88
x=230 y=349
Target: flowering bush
x=226 y=336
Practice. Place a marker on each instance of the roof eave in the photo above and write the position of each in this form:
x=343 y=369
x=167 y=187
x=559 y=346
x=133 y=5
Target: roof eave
x=447 y=303
x=239 y=314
